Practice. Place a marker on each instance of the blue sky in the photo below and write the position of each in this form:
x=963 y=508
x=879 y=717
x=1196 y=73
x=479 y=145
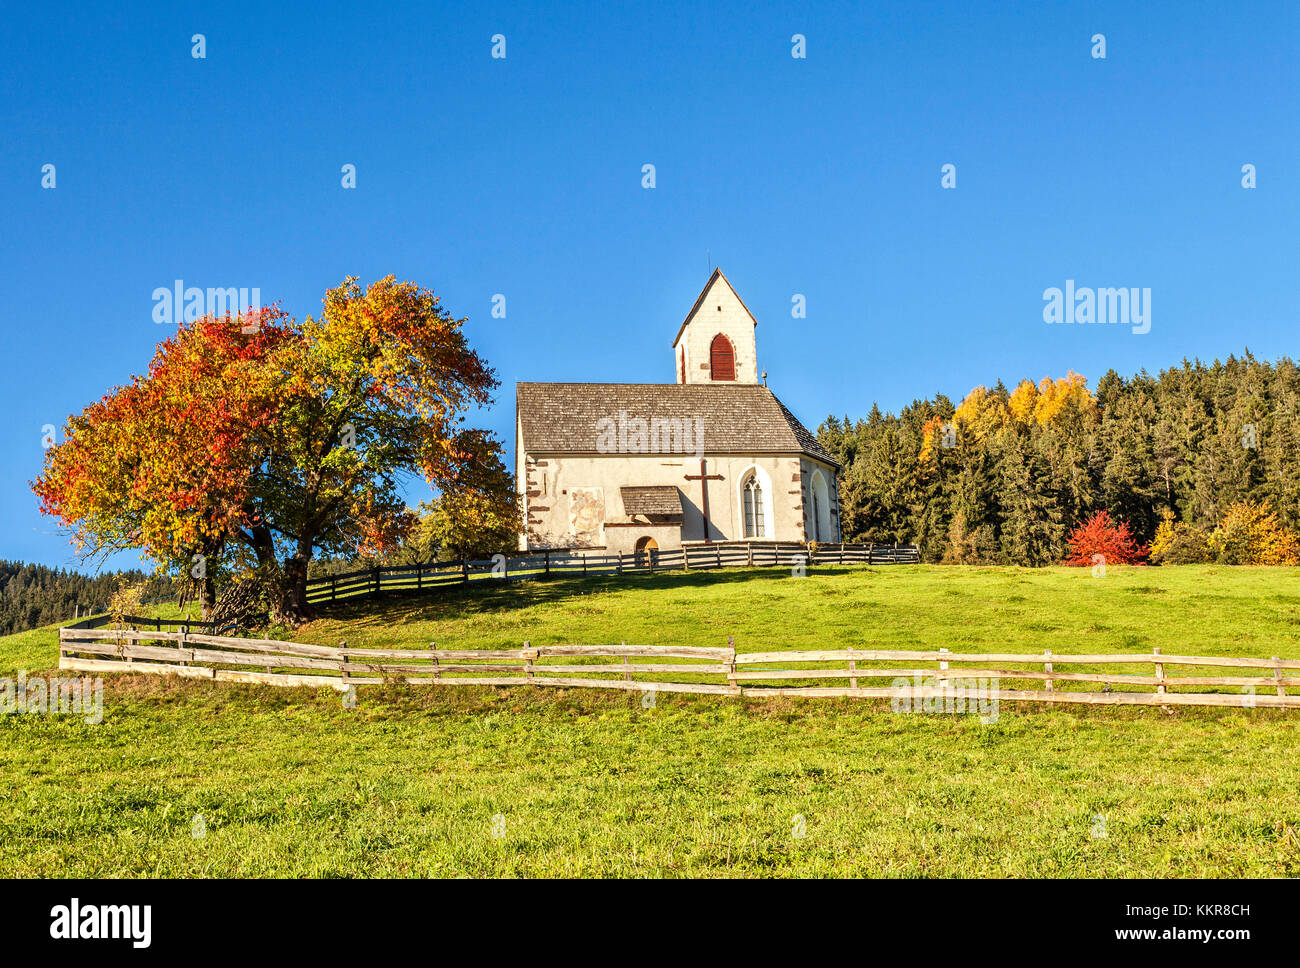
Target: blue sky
x=522 y=176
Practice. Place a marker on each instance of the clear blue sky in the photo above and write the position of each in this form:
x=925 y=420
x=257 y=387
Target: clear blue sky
x=522 y=176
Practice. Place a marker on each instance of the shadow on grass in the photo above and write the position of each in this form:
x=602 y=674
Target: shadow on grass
x=488 y=597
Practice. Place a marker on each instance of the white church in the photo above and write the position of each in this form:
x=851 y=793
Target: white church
x=715 y=456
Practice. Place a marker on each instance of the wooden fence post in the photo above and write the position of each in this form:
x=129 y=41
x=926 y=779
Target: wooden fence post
x=464 y=570
x=620 y=562
x=343 y=661
x=943 y=682
x=528 y=659
x=626 y=675
x=334 y=587
x=1160 y=674
x=546 y=561
x=871 y=550
x=853 y=667
x=437 y=672
x=686 y=558
x=717 y=551
x=731 y=666
x=749 y=558
x=1047 y=667
x=419 y=577
x=650 y=553
x=1277 y=676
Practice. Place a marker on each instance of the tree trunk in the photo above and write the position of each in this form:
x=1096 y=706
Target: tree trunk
x=294 y=609
x=207 y=596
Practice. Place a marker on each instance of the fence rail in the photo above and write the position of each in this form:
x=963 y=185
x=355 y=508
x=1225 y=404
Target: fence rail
x=718 y=554
x=914 y=676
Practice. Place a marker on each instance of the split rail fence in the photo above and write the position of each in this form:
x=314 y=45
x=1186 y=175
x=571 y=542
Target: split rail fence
x=539 y=564
x=937 y=679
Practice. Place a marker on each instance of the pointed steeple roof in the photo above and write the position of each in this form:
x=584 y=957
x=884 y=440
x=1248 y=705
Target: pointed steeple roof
x=717 y=274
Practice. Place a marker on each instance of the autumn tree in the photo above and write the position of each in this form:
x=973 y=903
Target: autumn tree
x=478 y=513
x=259 y=446
x=1251 y=534
x=1102 y=538
x=378 y=387
x=1178 y=543
x=163 y=463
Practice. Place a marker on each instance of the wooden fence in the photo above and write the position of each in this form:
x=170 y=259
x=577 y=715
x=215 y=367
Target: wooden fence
x=921 y=679
x=538 y=564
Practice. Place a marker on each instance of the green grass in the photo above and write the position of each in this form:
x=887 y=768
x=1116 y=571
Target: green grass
x=587 y=783
x=1204 y=610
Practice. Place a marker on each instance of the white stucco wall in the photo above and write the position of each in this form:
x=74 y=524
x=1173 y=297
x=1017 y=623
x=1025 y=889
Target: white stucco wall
x=557 y=485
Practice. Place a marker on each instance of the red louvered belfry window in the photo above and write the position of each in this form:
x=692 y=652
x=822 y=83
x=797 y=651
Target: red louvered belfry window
x=721 y=359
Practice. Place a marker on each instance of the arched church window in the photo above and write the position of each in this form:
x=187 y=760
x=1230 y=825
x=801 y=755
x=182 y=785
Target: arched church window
x=822 y=529
x=754 y=524
x=722 y=359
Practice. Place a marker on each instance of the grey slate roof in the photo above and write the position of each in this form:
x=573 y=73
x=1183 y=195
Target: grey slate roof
x=655 y=501
x=737 y=418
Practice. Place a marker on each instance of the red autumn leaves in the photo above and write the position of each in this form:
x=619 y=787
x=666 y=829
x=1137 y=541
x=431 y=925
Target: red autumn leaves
x=1111 y=540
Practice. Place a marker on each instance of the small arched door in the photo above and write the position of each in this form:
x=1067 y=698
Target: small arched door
x=644 y=546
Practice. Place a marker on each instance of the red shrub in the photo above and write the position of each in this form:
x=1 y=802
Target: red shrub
x=1099 y=535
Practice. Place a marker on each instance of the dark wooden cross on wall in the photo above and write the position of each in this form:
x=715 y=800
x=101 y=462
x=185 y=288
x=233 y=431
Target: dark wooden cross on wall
x=704 y=479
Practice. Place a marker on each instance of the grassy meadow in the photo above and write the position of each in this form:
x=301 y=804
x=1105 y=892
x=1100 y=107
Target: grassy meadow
x=475 y=781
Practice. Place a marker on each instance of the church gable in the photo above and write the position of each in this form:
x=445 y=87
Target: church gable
x=716 y=343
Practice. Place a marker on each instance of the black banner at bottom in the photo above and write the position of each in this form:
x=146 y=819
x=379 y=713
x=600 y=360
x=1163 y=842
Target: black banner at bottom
x=220 y=917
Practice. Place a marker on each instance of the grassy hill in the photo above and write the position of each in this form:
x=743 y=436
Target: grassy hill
x=1219 y=610
x=421 y=781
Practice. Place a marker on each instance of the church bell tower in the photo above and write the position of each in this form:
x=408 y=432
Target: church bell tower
x=716 y=342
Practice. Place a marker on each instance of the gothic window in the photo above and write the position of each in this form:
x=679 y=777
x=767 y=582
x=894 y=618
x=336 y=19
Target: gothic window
x=754 y=525
x=822 y=529
x=721 y=358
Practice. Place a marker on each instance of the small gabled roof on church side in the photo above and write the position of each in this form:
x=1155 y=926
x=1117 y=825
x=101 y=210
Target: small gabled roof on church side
x=735 y=418
x=655 y=501
x=717 y=274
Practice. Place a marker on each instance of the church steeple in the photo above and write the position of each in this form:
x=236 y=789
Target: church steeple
x=716 y=342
